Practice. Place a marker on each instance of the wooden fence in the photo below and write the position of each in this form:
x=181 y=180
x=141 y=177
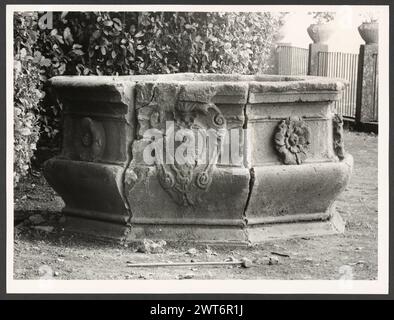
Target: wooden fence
x=294 y=61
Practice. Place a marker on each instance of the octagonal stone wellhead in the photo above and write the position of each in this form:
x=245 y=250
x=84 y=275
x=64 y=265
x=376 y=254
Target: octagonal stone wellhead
x=200 y=157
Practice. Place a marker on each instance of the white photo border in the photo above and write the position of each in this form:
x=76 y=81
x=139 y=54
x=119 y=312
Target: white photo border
x=379 y=286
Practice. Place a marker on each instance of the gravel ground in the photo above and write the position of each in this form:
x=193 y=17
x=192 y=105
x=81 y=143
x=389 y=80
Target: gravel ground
x=47 y=251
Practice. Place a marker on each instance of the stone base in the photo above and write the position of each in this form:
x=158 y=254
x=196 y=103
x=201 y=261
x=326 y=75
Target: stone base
x=241 y=234
x=296 y=229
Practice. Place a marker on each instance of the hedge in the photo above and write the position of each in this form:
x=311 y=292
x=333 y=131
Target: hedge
x=120 y=43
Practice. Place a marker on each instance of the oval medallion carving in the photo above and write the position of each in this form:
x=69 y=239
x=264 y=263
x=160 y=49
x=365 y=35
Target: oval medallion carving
x=186 y=182
x=92 y=140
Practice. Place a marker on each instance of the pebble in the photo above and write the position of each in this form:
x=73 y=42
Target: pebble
x=273 y=261
x=230 y=259
x=192 y=252
x=150 y=246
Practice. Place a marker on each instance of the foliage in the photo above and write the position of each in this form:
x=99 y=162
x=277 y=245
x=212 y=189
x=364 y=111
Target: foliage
x=160 y=42
x=27 y=93
x=369 y=17
x=322 y=16
x=119 y=43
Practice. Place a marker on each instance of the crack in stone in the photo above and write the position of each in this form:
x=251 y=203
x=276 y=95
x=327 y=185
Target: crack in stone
x=150 y=100
x=130 y=157
x=125 y=199
x=251 y=170
x=251 y=185
x=128 y=162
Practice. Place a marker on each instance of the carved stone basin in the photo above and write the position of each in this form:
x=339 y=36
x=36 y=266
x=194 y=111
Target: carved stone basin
x=268 y=158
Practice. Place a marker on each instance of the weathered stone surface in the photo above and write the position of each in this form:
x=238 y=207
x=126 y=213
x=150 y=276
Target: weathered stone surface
x=186 y=194
x=99 y=120
x=296 y=189
x=368 y=92
x=222 y=203
x=339 y=144
x=262 y=139
x=298 y=227
x=90 y=190
x=281 y=180
x=193 y=232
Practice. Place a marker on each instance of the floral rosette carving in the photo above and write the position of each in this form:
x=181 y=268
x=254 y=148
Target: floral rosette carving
x=292 y=139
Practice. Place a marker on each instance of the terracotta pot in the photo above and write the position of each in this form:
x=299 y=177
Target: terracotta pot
x=319 y=32
x=369 y=31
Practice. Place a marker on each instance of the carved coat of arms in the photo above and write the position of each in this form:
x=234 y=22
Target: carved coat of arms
x=191 y=147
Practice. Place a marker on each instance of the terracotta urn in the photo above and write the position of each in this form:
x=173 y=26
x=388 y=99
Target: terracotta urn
x=320 y=32
x=369 y=31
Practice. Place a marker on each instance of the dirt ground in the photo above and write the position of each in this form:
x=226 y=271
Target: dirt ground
x=40 y=252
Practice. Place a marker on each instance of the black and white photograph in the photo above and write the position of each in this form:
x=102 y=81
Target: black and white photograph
x=199 y=145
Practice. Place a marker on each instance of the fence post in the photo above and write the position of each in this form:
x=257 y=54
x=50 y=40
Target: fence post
x=313 y=60
x=367 y=83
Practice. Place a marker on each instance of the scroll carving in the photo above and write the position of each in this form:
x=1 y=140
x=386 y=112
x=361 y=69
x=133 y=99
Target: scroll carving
x=339 y=145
